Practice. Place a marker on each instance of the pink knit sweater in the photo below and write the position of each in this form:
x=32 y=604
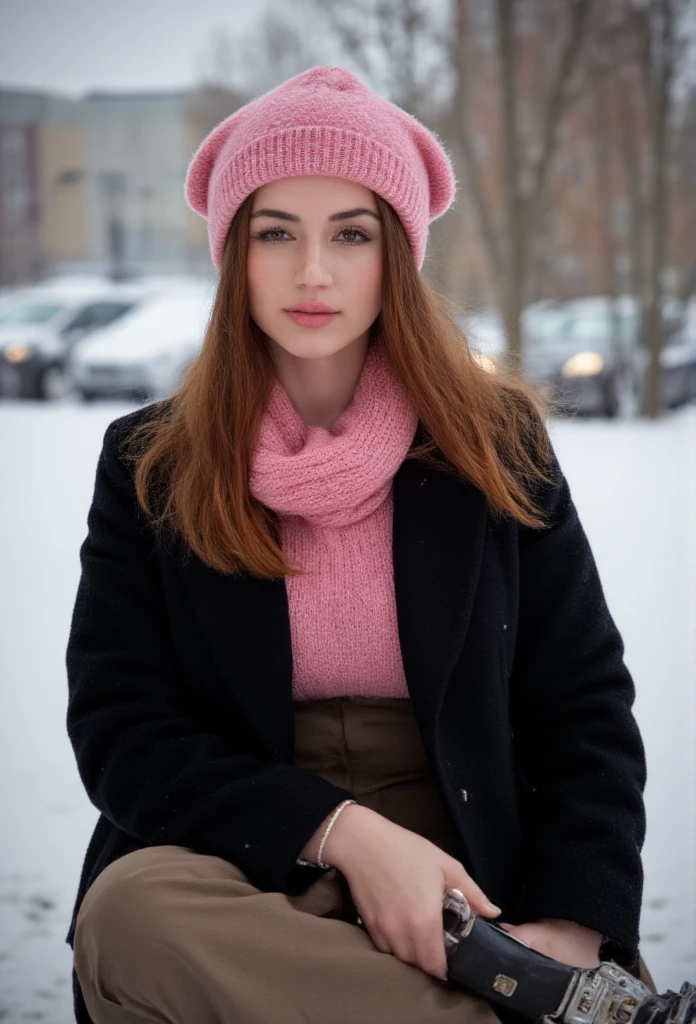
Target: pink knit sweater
x=333 y=492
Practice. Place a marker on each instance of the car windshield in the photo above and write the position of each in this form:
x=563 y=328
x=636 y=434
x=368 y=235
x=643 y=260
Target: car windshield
x=30 y=313
x=595 y=329
x=579 y=326
x=546 y=327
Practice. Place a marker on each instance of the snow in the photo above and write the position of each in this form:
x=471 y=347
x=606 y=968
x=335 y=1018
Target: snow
x=635 y=488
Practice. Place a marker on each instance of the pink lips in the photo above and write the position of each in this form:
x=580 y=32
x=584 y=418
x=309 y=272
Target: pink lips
x=304 y=319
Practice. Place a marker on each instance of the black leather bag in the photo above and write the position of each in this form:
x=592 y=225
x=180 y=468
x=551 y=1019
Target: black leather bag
x=484 y=958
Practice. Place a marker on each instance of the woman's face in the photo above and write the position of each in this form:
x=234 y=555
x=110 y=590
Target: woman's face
x=314 y=239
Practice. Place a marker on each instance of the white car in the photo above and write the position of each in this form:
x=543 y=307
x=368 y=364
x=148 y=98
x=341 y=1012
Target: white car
x=40 y=323
x=7 y=295
x=145 y=354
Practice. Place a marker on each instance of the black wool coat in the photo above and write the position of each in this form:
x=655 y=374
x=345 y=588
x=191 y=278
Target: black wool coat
x=180 y=702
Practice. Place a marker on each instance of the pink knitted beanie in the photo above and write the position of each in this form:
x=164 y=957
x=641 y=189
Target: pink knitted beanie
x=323 y=121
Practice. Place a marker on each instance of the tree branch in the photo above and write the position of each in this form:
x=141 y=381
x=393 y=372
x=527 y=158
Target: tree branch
x=557 y=102
x=462 y=135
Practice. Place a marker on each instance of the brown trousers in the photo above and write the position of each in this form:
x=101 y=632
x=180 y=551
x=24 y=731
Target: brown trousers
x=158 y=937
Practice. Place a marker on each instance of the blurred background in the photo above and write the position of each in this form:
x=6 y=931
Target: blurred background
x=570 y=253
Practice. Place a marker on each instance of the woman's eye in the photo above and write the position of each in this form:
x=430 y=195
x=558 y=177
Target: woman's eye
x=356 y=231
x=265 y=236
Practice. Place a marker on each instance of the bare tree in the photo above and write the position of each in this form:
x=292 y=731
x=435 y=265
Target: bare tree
x=525 y=160
x=275 y=48
x=604 y=173
x=629 y=140
x=393 y=44
x=685 y=159
x=607 y=91
x=656 y=26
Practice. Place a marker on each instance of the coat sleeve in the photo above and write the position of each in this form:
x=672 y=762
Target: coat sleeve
x=579 y=746
x=147 y=762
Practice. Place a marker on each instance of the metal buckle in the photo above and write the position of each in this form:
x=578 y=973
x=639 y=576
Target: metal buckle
x=602 y=995
x=455 y=900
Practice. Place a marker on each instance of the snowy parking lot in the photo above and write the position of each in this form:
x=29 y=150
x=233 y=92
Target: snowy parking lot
x=635 y=488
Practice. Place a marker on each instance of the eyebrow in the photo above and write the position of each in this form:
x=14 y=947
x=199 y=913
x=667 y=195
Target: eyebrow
x=343 y=215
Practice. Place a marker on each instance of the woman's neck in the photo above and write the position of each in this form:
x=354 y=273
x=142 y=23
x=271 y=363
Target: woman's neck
x=321 y=388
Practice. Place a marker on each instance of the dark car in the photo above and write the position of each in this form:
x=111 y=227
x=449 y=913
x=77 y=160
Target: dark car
x=677 y=361
x=591 y=353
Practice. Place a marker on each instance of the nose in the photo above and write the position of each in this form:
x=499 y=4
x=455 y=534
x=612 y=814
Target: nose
x=313 y=269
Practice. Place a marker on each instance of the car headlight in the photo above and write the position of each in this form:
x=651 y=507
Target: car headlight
x=583 y=364
x=18 y=352
x=486 y=363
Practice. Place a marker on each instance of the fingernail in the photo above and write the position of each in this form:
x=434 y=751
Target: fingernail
x=498 y=910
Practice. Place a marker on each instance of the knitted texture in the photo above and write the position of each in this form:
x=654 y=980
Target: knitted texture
x=333 y=492
x=323 y=121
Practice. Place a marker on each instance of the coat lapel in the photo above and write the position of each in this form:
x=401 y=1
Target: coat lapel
x=438 y=533
x=439 y=529
x=246 y=621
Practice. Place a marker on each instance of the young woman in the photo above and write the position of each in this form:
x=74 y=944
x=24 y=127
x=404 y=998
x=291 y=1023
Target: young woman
x=340 y=641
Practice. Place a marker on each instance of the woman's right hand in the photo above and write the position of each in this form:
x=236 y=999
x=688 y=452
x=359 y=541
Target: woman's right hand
x=397 y=880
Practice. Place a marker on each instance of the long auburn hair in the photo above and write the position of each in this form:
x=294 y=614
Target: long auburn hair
x=193 y=452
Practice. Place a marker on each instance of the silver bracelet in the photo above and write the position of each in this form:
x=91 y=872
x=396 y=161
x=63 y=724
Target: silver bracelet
x=318 y=863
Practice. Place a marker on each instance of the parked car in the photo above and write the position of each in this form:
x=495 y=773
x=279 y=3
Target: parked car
x=8 y=294
x=145 y=354
x=39 y=324
x=571 y=346
x=677 y=360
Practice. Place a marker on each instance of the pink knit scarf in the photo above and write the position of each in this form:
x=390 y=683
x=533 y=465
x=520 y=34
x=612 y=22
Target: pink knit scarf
x=336 y=477
x=333 y=492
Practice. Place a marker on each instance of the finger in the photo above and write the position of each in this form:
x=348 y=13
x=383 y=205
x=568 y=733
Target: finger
x=430 y=949
x=473 y=893
x=379 y=939
x=428 y=960
x=413 y=943
x=403 y=946
x=517 y=931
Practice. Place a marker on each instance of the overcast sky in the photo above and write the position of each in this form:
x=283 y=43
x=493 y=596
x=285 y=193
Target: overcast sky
x=76 y=46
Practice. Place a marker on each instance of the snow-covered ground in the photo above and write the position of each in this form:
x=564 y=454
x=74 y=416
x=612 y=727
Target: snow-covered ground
x=635 y=488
